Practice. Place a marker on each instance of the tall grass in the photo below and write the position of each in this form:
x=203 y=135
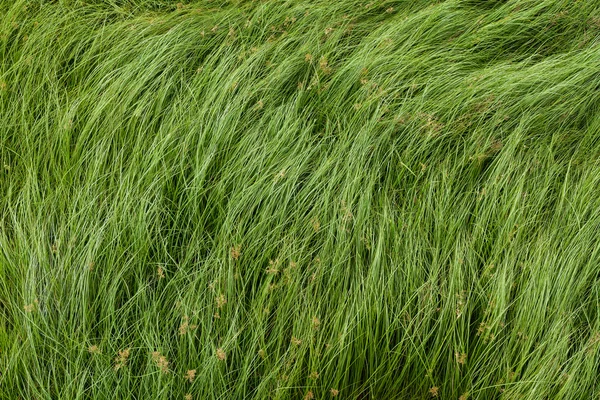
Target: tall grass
x=294 y=200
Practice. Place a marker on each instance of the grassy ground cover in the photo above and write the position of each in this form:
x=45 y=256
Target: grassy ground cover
x=395 y=199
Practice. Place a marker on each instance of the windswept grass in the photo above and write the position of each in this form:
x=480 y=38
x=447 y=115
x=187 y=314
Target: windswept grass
x=296 y=200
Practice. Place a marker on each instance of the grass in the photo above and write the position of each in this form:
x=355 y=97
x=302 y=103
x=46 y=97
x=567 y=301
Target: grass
x=295 y=200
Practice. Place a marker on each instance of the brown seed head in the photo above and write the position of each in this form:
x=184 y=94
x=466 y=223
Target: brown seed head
x=461 y=358
x=316 y=224
x=235 y=252
x=220 y=354
x=161 y=362
x=434 y=391
x=296 y=341
x=221 y=300
x=93 y=349
x=315 y=323
x=185 y=326
x=190 y=375
x=324 y=65
x=121 y=358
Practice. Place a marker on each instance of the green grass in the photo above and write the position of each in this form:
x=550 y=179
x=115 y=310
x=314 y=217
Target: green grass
x=401 y=197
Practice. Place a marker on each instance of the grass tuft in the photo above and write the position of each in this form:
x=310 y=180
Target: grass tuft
x=299 y=200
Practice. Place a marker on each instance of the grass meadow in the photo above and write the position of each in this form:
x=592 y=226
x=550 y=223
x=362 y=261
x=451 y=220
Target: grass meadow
x=285 y=199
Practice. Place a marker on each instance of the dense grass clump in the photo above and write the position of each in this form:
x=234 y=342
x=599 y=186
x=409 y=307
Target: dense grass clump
x=395 y=199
